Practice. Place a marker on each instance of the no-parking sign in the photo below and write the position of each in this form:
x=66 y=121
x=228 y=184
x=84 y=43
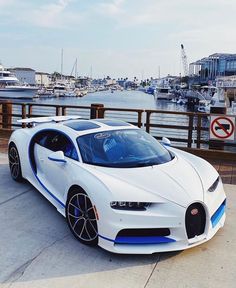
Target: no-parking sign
x=222 y=128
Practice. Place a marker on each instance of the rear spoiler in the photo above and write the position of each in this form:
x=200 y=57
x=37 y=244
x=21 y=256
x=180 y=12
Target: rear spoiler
x=40 y=120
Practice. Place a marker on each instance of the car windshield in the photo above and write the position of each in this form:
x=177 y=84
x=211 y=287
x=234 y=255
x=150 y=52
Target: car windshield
x=126 y=148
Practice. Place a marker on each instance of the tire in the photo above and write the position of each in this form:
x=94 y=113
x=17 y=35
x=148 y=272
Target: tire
x=81 y=217
x=14 y=163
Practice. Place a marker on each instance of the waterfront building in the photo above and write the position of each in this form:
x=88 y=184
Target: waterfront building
x=24 y=75
x=209 y=68
x=43 y=79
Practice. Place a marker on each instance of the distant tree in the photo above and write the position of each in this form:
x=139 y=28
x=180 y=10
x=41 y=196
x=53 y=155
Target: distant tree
x=55 y=75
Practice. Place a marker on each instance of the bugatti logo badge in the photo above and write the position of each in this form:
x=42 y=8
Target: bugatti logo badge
x=194 y=211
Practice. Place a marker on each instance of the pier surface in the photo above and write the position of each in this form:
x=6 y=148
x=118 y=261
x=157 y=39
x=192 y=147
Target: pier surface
x=38 y=250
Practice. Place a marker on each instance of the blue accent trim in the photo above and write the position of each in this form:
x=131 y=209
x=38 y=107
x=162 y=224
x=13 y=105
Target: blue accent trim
x=215 y=218
x=143 y=240
x=105 y=238
x=40 y=182
x=56 y=160
x=50 y=193
x=140 y=240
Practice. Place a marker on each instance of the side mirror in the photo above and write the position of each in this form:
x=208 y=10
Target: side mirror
x=165 y=141
x=57 y=157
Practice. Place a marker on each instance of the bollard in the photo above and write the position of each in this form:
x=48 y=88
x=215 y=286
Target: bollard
x=6 y=114
x=95 y=112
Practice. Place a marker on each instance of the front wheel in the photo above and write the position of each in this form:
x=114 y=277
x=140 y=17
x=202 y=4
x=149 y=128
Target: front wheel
x=81 y=217
x=14 y=163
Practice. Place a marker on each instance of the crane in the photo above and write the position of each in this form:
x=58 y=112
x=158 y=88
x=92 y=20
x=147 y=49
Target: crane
x=184 y=60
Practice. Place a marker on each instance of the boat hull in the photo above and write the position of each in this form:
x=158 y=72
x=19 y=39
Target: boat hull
x=18 y=93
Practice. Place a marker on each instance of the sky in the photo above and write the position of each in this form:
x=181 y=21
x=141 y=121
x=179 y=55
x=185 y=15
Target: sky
x=116 y=38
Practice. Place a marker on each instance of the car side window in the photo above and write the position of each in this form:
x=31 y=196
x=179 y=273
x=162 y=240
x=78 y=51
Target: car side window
x=56 y=141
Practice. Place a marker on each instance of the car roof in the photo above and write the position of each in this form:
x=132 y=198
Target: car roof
x=81 y=127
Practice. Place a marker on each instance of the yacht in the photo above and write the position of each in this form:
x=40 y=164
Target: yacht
x=64 y=89
x=10 y=86
x=217 y=100
x=163 y=92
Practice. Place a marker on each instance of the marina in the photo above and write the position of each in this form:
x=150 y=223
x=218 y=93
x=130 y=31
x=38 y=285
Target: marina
x=117 y=144
x=160 y=118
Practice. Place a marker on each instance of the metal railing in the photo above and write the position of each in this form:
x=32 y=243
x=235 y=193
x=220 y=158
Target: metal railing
x=184 y=129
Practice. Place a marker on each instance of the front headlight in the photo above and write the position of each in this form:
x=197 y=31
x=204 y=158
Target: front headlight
x=136 y=206
x=214 y=185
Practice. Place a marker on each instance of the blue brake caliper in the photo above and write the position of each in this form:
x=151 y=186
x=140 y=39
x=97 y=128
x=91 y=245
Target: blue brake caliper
x=76 y=210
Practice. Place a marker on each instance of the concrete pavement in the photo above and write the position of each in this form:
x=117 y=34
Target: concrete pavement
x=38 y=250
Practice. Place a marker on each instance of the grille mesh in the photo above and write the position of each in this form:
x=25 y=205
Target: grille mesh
x=195 y=220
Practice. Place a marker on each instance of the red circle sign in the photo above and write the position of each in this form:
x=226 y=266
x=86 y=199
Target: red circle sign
x=222 y=127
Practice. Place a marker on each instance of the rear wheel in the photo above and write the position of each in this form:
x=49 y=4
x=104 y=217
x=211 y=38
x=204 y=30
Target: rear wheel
x=14 y=163
x=81 y=217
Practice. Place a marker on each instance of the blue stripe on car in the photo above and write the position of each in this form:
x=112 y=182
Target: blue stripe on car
x=56 y=160
x=50 y=193
x=140 y=240
x=40 y=182
x=215 y=218
x=143 y=240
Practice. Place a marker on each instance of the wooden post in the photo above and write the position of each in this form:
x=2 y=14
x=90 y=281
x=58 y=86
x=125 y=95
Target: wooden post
x=140 y=119
x=148 y=115
x=63 y=111
x=190 y=131
x=30 y=110
x=23 y=114
x=95 y=112
x=199 y=121
x=6 y=114
x=58 y=110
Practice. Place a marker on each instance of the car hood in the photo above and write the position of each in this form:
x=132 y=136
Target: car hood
x=176 y=181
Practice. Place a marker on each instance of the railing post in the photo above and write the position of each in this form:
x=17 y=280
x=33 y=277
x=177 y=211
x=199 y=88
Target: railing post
x=58 y=110
x=148 y=114
x=101 y=112
x=30 y=109
x=199 y=120
x=95 y=112
x=23 y=113
x=6 y=114
x=190 y=130
x=63 y=112
x=140 y=118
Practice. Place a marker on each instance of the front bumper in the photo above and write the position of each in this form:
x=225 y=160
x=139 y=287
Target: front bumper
x=165 y=215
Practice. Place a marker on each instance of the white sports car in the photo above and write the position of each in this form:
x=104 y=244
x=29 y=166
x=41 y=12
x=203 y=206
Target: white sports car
x=117 y=186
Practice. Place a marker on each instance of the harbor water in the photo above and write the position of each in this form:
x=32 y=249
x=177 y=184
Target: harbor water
x=120 y=99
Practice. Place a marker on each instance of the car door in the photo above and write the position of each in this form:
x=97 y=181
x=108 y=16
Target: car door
x=54 y=175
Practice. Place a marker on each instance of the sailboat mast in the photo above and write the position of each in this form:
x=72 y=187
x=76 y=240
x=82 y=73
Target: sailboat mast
x=61 y=62
x=76 y=68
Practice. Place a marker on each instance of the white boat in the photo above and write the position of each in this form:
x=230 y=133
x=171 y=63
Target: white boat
x=64 y=89
x=163 y=92
x=217 y=100
x=60 y=89
x=10 y=86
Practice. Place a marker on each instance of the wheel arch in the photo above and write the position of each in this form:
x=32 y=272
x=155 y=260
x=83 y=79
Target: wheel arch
x=74 y=186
